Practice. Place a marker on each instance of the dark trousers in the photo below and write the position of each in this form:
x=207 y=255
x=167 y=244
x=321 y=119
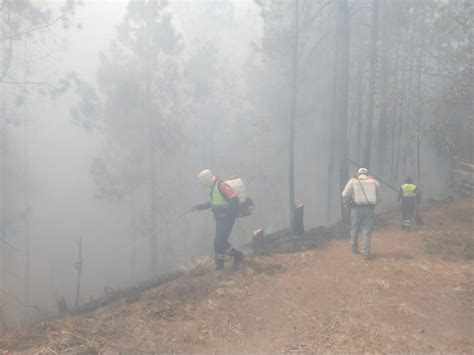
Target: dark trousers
x=224 y=224
x=408 y=207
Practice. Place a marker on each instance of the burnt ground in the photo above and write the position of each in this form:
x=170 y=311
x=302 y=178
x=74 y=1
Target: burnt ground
x=415 y=295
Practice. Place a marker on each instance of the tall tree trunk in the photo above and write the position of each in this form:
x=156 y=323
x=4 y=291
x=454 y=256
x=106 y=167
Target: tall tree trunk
x=291 y=131
x=419 y=112
x=372 y=71
x=79 y=262
x=134 y=232
x=153 y=187
x=382 y=135
x=401 y=109
x=332 y=117
x=151 y=159
x=359 y=109
x=393 y=116
x=26 y=190
x=27 y=207
x=407 y=113
x=3 y=243
x=343 y=91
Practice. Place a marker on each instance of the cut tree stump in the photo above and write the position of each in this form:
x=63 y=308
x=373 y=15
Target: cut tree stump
x=299 y=219
x=62 y=305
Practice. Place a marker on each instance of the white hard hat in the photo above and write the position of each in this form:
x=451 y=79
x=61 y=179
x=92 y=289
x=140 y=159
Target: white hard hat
x=206 y=179
x=362 y=171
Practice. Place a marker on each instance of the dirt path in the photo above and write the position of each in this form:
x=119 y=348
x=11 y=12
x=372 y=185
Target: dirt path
x=325 y=299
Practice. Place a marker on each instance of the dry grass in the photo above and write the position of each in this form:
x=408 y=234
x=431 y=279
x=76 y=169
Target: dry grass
x=450 y=245
x=318 y=299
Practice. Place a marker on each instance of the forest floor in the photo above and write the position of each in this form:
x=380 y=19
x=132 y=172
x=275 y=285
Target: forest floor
x=415 y=295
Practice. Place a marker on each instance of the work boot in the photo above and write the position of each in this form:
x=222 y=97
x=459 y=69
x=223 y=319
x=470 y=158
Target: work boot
x=407 y=225
x=238 y=257
x=219 y=264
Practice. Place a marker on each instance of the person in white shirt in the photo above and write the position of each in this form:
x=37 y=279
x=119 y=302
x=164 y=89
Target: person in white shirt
x=362 y=194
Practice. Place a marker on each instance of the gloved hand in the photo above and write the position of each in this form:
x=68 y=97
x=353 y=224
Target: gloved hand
x=192 y=209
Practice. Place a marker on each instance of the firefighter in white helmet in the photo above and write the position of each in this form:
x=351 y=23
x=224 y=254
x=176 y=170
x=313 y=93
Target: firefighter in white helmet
x=362 y=194
x=224 y=203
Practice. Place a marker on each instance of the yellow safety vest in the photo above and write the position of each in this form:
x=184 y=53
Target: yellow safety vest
x=217 y=200
x=409 y=190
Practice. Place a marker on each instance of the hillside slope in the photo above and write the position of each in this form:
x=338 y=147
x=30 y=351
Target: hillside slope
x=415 y=295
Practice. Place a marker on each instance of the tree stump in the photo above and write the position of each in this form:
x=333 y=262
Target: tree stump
x=299 y=220
x=62 y=305
x=258 y=240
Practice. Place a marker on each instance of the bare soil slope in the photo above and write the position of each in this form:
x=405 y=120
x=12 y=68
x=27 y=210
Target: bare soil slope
x=415 y=295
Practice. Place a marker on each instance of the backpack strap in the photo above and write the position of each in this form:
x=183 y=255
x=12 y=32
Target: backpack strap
x=218 y=182
x=363 y=191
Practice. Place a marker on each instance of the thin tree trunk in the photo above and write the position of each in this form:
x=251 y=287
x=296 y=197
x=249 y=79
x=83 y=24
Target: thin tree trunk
x=151 y=160
x=419 y=112
x=359 y=109
x=393 y=116
x=79 y=262
x=27 y=212
x=205 y=137
x=153 y=187
x=294 y=88
x=343 y=90
x=332 y=132
x=3 y=244
x=133 y=223
x=372 y=71
x=401 y=109
x=26 y=195
x=382 y=135
x=3 y=321
x=405 y=133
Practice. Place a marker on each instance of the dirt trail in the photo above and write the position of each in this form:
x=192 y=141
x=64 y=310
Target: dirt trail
x=325 y=299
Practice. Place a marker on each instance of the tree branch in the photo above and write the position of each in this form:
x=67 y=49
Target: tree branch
x=316 y=14
x=11 y=246
x=34 y=29
x=40 y=83
x=316 y=45
x=353 y=5
x=464 y=25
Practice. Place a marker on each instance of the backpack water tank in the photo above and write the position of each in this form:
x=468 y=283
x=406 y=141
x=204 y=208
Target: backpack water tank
x=246 y=203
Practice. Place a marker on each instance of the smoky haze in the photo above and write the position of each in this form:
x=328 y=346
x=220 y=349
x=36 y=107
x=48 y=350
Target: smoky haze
x=132 y=99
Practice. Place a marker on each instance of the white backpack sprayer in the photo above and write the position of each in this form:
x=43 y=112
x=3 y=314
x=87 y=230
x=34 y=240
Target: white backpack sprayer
x=246 y=204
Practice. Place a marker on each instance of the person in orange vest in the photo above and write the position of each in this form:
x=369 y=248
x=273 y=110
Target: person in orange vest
x=224 y=203
x=407 y=195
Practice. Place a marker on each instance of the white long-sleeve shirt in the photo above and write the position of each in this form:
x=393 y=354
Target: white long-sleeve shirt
x=350 y=192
